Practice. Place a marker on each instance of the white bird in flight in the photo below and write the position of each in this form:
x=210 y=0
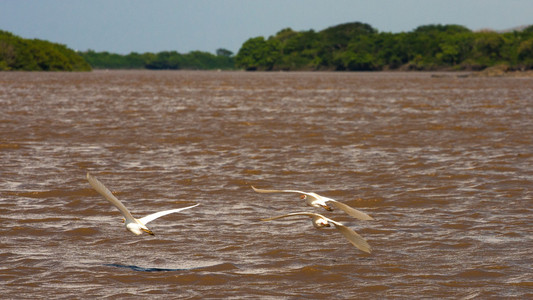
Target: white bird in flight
x=137 y=226
x=315 y=200
x=319 y=221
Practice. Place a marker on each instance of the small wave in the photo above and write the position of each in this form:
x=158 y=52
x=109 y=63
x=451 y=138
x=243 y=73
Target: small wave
x=312 y=272
x=29 y=221
x=477 y=273
x=82 y=232
x=52 y=193
x=374 y=288
x=278 y=253
x=18 y=231
x=219 y=267
x=523 y=283
x=10 y=146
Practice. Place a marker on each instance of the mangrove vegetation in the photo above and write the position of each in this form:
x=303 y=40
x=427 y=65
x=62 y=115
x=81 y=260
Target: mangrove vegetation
x=17 y=53
x=165 y=60
x=346 y=47
x=360 y=47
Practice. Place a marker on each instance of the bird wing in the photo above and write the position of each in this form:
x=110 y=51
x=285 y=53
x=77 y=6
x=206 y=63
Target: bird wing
x=354 y=238
x=100 y=188
x=349 y=210
x=156 y=215
x=293 y=214
x=279 y=191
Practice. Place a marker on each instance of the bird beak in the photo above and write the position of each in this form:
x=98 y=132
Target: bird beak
x=148 y=231
x=327 y=208
x=123 y=220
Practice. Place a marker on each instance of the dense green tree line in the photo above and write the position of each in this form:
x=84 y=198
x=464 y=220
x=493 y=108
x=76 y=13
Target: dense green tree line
x=37 y=55
x=165 y=60
x=351 y=46
x=358 y=46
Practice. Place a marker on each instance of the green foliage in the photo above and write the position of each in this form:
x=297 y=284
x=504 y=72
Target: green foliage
x=36 y=55
x=30 y=55
x=346 y=47
x=439 y=28
x=165 y=60
x=259 y=54
x=338 y=37
x=359 y=47
x=525 y=54
x=528 y=30
x=115 y=61
x=224 y=52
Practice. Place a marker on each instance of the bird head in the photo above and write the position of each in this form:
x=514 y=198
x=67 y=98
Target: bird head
x=137 y=228
x=319 y=222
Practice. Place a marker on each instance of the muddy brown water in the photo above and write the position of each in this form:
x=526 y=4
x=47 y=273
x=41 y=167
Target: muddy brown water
x=444 y=165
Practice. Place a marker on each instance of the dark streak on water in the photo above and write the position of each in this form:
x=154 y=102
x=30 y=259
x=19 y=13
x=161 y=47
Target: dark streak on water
x=141 y=269
x=443 y=164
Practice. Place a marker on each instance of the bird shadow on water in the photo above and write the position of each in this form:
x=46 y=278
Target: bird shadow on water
x=141 y=269
x=212 y=267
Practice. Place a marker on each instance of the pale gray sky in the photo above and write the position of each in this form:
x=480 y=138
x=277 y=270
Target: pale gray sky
x=124 y=26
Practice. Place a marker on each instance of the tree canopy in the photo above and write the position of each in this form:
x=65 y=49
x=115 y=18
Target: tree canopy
x=352 y=46
x=164 y=60
x=360 y=47
x=37 y=55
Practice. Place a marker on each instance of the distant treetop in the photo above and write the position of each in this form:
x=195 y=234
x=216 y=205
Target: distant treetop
x=37 y=55
x=360 y=47
x=351 y=46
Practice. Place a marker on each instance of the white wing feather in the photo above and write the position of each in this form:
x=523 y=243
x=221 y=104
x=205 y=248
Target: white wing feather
x=292 y=214
x=352 y=236
x=156 y=215
x=278 y=191
x=349 y=210
x=100 y=188
x=339 y=205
